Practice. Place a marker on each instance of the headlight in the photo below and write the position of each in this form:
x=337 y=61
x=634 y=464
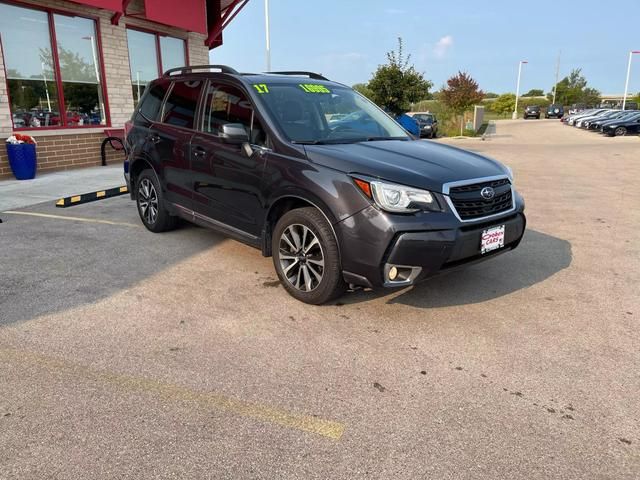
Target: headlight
x=398 y=198
x=509 y=173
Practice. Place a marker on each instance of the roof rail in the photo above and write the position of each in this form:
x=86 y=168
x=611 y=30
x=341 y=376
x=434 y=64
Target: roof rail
x=315 y=76
x=193 y=68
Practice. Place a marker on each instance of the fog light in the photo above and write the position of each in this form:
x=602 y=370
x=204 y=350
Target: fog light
x=393 y=273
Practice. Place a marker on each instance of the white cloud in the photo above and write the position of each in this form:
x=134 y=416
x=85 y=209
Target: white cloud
x=442 y=46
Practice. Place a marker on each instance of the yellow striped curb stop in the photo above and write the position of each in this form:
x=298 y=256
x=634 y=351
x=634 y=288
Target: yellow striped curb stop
x=91 y=197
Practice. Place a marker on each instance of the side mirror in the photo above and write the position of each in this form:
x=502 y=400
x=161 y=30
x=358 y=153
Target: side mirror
x=234 y=133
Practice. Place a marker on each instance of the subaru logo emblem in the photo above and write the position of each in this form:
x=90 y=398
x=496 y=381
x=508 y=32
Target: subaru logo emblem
x=487 y=193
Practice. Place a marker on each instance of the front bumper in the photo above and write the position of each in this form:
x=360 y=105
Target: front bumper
x=421 y=245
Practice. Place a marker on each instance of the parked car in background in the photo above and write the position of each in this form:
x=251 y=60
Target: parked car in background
x=623 y=126
x=579 y=123
x=572 y=119
x=428 y=124
x=596 y=123
x=554 y=111
x=357 y=202
x=577 y=108
x=532 y=111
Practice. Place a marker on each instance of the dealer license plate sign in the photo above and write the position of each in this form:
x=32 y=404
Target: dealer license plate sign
x=492 y=239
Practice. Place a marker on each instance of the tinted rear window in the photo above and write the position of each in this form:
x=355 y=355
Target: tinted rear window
x=180 y=107
x=151 y=102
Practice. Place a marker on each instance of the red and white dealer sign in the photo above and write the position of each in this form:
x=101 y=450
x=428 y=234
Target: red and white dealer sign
x=492 y=239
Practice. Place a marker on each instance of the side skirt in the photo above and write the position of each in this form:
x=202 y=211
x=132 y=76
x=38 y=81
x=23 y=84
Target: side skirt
x=207 y=222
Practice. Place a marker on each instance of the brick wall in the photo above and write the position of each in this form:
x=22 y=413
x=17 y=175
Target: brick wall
x=118 y=82
x=63 y=152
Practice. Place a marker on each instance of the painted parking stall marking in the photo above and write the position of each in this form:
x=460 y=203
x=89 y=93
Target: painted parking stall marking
x=58 y=366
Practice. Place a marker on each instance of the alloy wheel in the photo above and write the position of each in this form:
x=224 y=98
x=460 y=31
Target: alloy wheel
x=301 y=257
x=620 y=131
x=148 y=201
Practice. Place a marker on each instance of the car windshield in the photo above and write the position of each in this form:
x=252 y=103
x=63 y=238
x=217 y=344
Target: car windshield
x=313 y=113
x=423 y=117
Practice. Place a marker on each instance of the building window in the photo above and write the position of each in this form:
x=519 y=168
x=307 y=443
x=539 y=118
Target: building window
x=150 y=55
x=51 y=86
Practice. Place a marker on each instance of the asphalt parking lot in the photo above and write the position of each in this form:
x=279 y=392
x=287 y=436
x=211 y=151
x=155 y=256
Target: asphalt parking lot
x=129 y=354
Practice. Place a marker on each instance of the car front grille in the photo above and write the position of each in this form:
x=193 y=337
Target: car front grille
x=470 y=204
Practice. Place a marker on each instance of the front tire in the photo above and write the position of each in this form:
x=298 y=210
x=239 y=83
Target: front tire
x=306 y=256
x=620 y=132
x=151 y=204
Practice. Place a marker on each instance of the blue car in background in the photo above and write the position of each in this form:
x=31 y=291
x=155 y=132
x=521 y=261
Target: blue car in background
x=362 y=122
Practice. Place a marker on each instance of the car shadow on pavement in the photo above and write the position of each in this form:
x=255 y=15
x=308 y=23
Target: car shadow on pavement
x=538 y=257
x=49 y=265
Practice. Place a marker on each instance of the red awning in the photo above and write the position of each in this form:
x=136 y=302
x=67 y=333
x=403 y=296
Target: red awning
x=188 y=15
x=112 y=5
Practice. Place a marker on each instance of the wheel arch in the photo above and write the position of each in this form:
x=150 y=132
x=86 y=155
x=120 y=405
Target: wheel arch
x=137 y=167
x=290 y=201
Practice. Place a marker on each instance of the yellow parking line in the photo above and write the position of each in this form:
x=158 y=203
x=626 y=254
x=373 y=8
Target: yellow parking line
x=305 y=423
x=75 y=219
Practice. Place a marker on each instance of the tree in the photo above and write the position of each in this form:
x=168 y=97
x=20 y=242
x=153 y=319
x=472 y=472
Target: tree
x=396 y=84
x=461 y=93
x=534 y=92
x=573 y=89
x=363 y=89
x=504 y=104
x=491 y=95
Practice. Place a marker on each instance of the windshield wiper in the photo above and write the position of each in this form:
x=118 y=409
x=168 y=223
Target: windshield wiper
x=308 y=142
x=375 y=139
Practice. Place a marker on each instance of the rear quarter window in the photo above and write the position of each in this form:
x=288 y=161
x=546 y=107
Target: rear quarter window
x=151 y=103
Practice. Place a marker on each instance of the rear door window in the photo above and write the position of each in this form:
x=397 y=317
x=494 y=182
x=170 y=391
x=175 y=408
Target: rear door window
x=180 y=107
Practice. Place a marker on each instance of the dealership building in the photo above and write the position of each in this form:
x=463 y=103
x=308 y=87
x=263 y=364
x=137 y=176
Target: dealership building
x=72 y=71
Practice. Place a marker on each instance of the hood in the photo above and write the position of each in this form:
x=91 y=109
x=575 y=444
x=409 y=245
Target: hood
x=417 y=163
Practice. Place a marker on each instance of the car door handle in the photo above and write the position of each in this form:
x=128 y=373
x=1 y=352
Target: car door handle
x=199 y=152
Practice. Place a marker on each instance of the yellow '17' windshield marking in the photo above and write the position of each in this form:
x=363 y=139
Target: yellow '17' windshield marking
x=261 y=88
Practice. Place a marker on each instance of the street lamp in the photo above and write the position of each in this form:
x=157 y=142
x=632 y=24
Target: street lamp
x=92 y=40
x=268 y=39
x=515 y=110
x=626 y=84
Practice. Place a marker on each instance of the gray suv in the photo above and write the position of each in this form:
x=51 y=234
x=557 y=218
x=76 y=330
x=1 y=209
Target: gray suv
x=351 y=203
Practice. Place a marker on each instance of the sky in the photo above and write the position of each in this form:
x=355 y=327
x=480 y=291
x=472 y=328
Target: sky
x=347 y=39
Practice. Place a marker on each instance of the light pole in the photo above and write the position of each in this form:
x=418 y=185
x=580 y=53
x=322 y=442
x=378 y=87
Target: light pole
x=46 y=88
x=268 y=37
x=555 y=85
x=626 y=84
x=91 y=39
x=515 y=110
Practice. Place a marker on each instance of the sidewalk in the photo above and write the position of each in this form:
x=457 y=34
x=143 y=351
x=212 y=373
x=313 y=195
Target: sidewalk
x=52 y=186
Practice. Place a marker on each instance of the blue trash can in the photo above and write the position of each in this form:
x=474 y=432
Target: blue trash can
x=22 y=159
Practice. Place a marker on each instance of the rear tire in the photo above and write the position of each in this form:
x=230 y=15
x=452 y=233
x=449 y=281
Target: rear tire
x=306 y=256
x=151 y=203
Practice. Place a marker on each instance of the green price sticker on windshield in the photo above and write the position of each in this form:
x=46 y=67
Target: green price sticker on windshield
x=314 y=88
x=261 y=87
